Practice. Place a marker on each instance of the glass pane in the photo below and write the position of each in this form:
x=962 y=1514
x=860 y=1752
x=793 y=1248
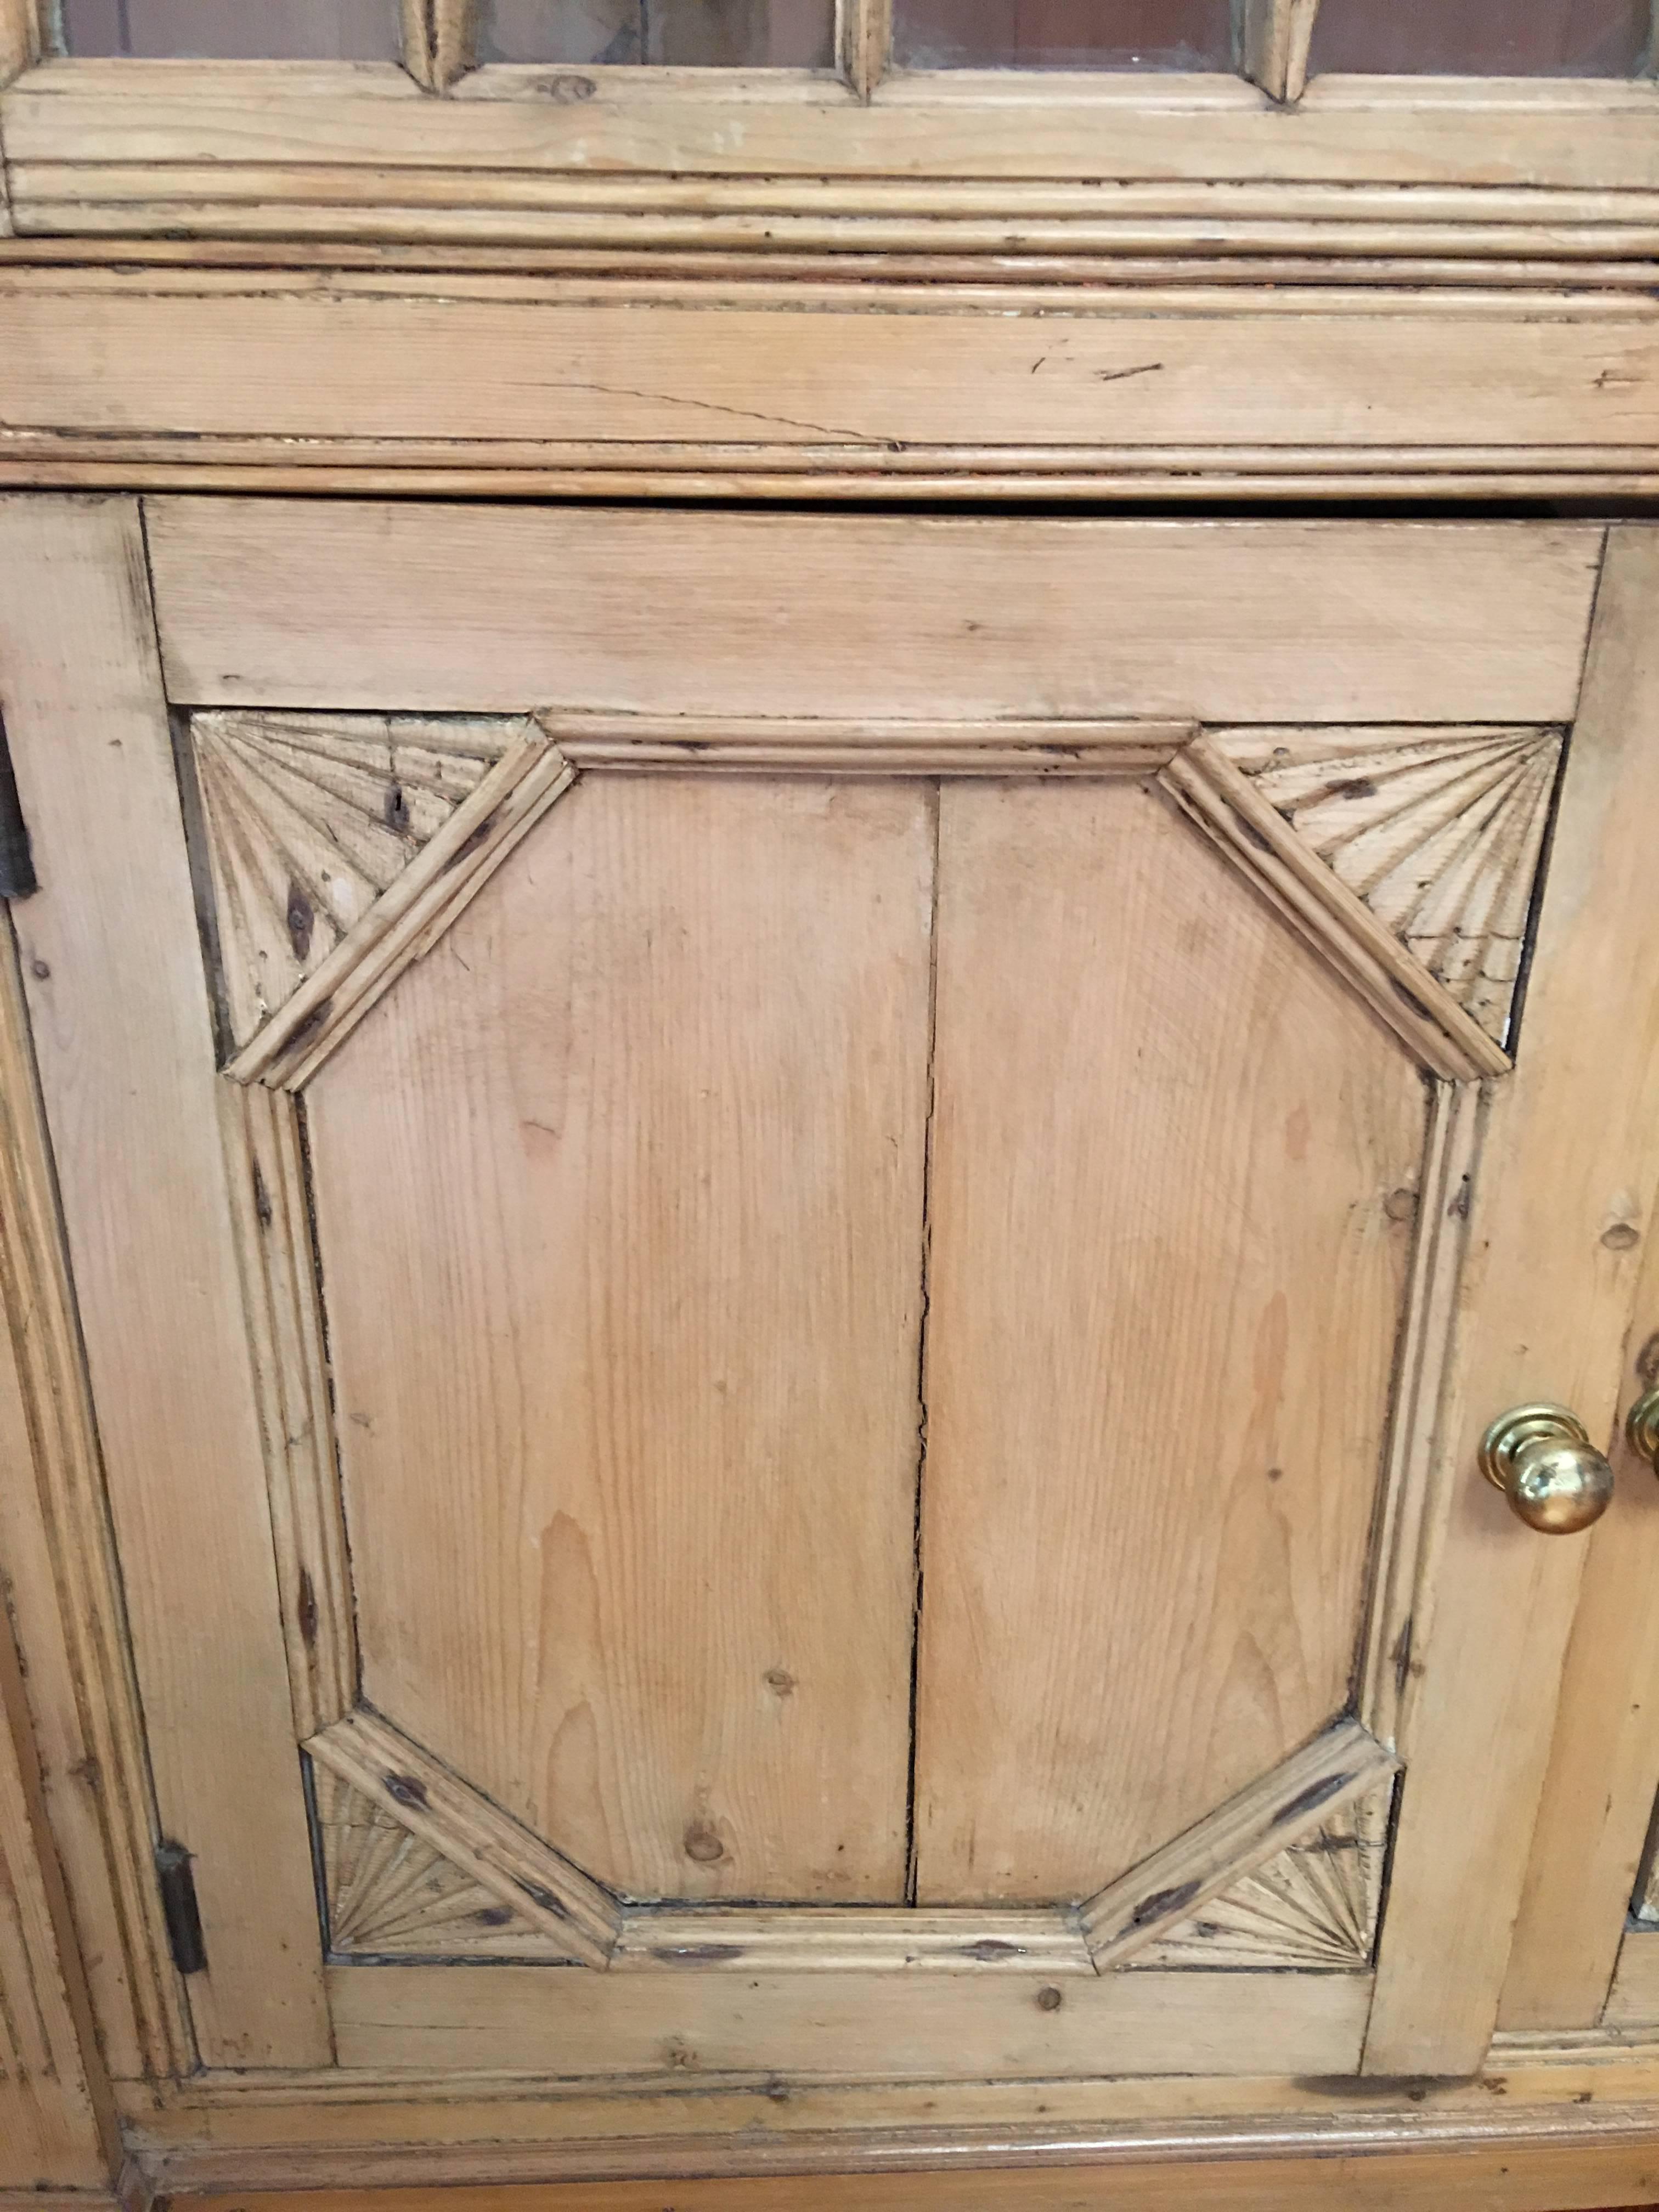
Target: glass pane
x=236 y=30
x=1113 y=34
x=708 y=33
x=1483 y=37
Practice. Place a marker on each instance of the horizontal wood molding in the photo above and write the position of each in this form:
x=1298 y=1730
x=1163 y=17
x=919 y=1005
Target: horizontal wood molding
x=486 y=382
x=68 y=116
x=1513 y=2174
x=827 y=747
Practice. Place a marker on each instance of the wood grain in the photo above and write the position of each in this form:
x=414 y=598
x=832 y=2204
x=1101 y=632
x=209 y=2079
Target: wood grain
x=1439 y=833
x=521 y=1872
x=452 y=609
x=1316 y=1905
x=64 y=1594
x=430 y=369
x=1276 y=36
x=57 y=2127
x=640 y=1146
x=119 y=1007
x=20 y=46
x=1150 y=1484
x=864 y=43
x=1496 y=2177
x=307 y=819
x=693 y=2029
x=400 y=926
x=440 y=36
x=392 y=1894
x=1569 y=1166
x=846 y=1939
x=1603 y=1772
x=985 y=125
x=1334 y=921
x=1340 y=1766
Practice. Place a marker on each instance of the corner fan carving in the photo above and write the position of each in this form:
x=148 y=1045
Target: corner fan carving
x=340 y=847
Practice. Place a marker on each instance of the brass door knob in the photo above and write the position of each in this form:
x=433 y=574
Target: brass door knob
x=1642 y=1427
x=1542 y=1460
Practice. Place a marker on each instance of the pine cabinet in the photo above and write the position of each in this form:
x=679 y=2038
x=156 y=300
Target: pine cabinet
x=829 y=1107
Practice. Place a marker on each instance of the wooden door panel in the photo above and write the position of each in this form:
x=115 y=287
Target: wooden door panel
x=619 y=1198
x=1167 y=1269
x=786 y=1077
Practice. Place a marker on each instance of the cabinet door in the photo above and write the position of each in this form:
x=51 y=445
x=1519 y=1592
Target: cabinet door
x=793 y=1235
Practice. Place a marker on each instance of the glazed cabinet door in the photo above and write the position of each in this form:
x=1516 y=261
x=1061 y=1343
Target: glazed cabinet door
x=794 y=1234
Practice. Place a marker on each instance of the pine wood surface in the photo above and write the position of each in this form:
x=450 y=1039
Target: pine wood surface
x=1341 y=622
x=1087 y=940
x=1551 y=2178
x=64 y=1596
x=54 y=2122
x=121 y=1032
x=671 y=2027
x=671 y=1192
x=1557 y=1192
x=1604 y=1762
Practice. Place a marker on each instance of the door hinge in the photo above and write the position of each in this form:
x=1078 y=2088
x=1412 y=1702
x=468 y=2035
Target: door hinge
x=17 y=878
x=179 y=1908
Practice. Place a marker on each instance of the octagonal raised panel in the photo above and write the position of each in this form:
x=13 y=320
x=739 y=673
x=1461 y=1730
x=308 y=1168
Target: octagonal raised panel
x=845 y=1315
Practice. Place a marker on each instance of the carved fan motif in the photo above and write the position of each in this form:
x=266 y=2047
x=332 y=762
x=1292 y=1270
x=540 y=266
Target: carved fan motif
x=1316 y=1905
x=1439 y=835
x=308 y=819
x=389 y=1894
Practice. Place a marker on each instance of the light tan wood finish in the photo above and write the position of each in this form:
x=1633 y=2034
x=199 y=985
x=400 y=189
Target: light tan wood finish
x=1419 y=1474
x=56 y=2124
x=1207 y=1411
x=306 y=820
x=823 y=745
x=863 y=42
x=1439 y=833
x=1315 y=1903
x=1556 y=1193
x=417 y=904
x=20 y=46
x=1632 y=1997
x=1550 y=2178
x=688 y=2027
x=412 y=1789
x=372 y=2129
x=439 y=37
x=701 y=385
x=1604 y=1762
x=1334 y=622
x=64 y=1593
x=1230 y=808
x=122 y=1035
x=847 y=1939
x=1276 y=36
x=775 y=123
x=1291 y=1803
x=574 y=1640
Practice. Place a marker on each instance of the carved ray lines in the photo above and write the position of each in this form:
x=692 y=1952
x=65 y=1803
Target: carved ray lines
x=391 y=1894
x=308 y=818
x=1316 y=1905
x=1440 y=834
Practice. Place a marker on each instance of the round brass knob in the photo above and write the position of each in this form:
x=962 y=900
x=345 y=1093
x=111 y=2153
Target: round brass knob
x=1642 y=1427
x=1542 y=1460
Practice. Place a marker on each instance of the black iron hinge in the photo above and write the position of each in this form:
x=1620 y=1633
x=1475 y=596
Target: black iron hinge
x=179 y=1908
x=16 y=862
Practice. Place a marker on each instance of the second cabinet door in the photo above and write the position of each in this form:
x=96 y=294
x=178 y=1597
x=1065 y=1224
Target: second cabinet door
x=853 y=1194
